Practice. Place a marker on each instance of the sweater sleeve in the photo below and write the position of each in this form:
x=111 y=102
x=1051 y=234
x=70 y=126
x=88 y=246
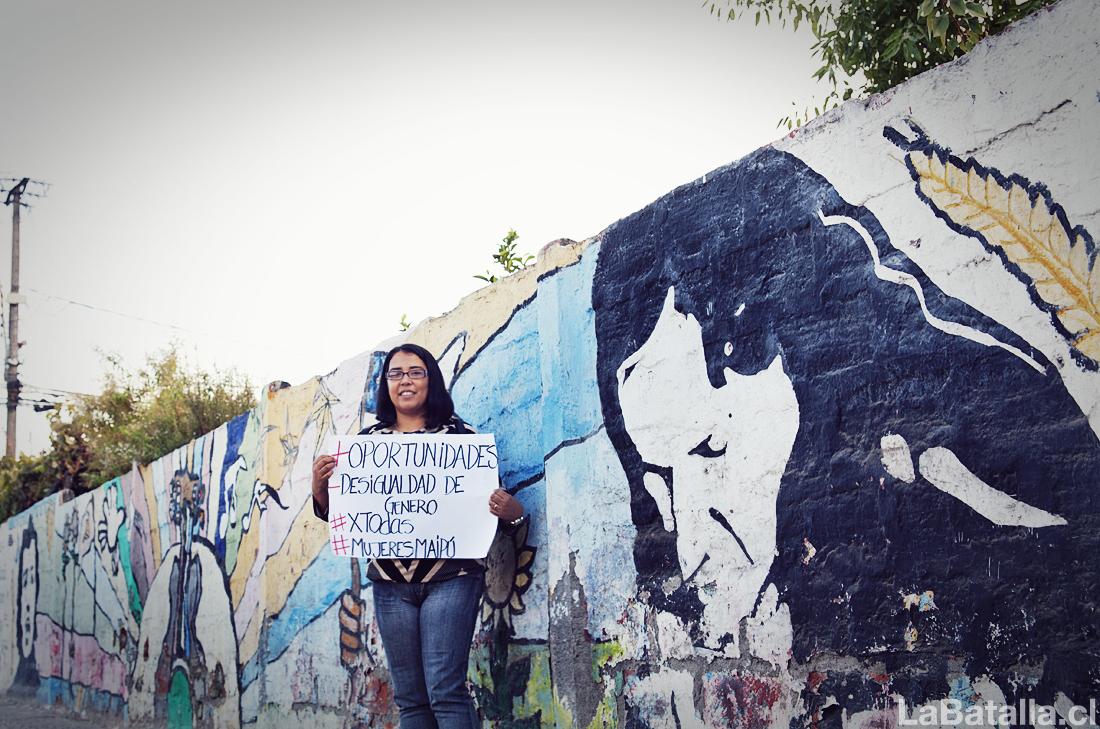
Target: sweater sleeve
x=317 y=512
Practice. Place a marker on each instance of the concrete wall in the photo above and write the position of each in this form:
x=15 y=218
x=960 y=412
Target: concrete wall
x=812 y=434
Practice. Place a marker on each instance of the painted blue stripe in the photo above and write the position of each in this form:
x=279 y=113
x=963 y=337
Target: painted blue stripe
x=319 y=587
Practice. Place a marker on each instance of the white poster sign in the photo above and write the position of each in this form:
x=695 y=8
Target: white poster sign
x=412 y=496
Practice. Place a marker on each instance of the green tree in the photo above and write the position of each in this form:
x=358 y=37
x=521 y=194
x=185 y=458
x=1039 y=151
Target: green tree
x=507 y=258
x=140 y=416
x=27 y=478
x=23 y=480
x=868 y=46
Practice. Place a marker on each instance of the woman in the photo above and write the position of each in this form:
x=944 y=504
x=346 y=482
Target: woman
x=795 y=428
x=426 y=608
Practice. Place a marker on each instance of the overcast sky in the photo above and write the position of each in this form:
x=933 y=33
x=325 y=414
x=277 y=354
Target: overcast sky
x=282 y=181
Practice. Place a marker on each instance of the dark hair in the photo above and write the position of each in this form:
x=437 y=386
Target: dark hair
x=864 y=362
x=440 y=406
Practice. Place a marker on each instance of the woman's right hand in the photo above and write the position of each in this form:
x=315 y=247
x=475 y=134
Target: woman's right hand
x=323 y=466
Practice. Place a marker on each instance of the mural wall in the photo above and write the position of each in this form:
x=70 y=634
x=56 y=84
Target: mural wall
x=806 y=438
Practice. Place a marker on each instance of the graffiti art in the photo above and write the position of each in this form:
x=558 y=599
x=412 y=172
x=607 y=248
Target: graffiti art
x=804 y=441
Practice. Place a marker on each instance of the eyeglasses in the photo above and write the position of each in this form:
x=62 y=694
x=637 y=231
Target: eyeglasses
x=414 y=373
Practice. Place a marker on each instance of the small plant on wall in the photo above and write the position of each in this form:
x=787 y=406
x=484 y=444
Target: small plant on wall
x=507 y=258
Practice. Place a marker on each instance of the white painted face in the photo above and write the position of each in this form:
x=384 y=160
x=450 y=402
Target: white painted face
x=727 y=449
x=28 y=594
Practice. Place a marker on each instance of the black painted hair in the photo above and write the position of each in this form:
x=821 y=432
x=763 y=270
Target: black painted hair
x=440 y=406
x=752 y=260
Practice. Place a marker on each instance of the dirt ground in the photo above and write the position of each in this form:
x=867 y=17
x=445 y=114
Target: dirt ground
x=23 y=712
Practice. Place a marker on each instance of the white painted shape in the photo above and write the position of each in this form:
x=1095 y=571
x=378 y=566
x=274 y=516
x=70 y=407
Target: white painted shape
x=213 y=628
x=154 y=627
x=896 y=458
x=748 y=426
x=656 y=487
x=448 y=361
x=945 y=471
x=654 y=695
x=986 y=690
x=1076 y=715
x=673 y=639
x=219 y=442
x=630 y=633
x=769 y=632
x=904 y=279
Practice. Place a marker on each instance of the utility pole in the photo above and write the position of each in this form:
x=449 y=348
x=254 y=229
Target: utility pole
x=16 y=193
x=11 y=364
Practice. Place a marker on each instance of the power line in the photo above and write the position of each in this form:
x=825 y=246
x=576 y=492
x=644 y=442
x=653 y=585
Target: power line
x=113 y=312
x=175 y=327
x=55 y=391
x=14 y=183
x=36 y=404
x=30 y=180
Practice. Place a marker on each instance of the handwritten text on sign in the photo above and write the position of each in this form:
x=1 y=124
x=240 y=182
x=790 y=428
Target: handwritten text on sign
x=412 y=496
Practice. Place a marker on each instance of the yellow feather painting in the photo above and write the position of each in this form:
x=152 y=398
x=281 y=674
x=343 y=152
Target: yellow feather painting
x=1020 y=221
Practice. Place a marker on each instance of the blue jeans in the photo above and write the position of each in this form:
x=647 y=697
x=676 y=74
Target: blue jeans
x=426 y=629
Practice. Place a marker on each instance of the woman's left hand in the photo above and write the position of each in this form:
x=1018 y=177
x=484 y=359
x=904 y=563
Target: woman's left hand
x=504 y=506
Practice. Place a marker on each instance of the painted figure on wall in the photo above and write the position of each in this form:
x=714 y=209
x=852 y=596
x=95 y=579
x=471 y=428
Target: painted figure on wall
x=814 y=434
x=26 y=675
x=186 y=666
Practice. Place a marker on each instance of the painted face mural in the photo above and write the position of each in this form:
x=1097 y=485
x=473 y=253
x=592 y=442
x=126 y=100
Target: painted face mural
x=801 y=413
x=715 y=473
x=28 y=605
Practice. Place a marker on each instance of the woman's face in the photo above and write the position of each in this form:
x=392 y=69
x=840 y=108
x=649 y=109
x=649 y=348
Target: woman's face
x=726 y=449
x=409 y=396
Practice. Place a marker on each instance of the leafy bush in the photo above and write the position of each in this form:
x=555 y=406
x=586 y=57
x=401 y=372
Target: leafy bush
x=883 y=41
x=139 y=416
